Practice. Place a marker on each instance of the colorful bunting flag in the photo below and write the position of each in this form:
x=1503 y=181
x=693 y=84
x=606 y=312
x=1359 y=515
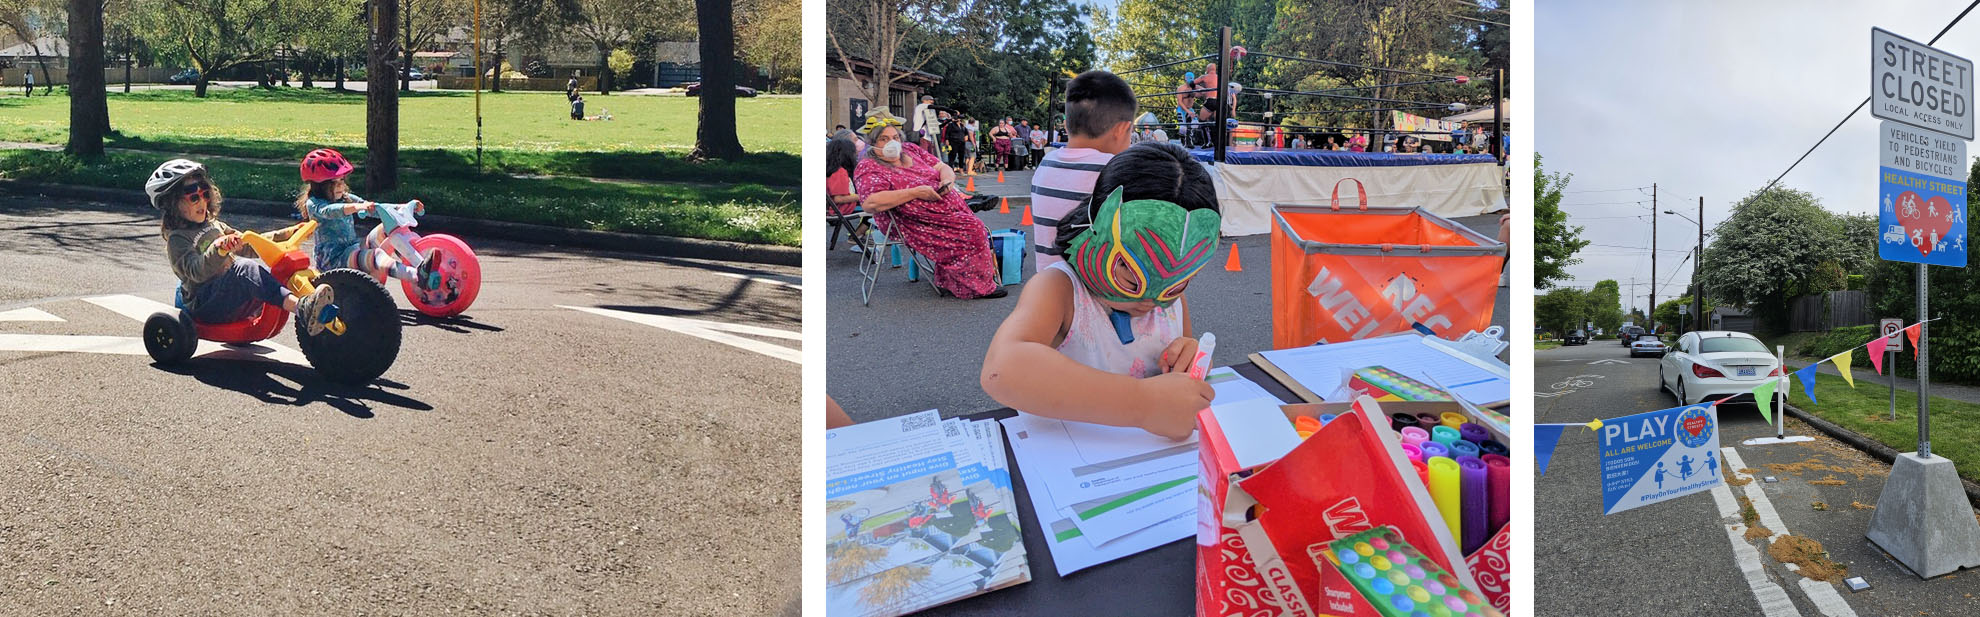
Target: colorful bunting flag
x=1912 y=333
x=1877 y=347
x=1545 y=437
x=1842 y=361
x=1807 y=377
x=1763 y=396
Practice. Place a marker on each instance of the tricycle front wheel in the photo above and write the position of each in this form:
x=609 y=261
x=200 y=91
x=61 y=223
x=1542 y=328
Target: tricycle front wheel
x=370 y=342
x=460 y=277
x=169 y=337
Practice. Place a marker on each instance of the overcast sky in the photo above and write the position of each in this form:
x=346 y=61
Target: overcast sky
x=1709 y=99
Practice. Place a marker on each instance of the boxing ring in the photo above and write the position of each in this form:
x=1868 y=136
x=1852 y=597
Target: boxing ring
x=1250 y=178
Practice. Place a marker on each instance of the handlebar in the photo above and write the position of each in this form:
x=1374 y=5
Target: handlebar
x=394 y=216
x=271 y=251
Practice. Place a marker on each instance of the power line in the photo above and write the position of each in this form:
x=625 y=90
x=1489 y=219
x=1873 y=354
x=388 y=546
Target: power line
x=1632 y=188
x=1860 y=106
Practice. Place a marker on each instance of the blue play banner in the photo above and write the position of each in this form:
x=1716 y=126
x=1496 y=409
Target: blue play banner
x=1659 y=455
x=1922 y=218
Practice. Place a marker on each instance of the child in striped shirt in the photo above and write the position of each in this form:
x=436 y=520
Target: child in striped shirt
x=1099 y=114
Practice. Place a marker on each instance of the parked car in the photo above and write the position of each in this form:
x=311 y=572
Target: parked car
x=1628 y=334
x=1576 y=337
x=694 y=89
x=415 y=74
x=1647 y=345
x=1716 y=365
x=184 y=78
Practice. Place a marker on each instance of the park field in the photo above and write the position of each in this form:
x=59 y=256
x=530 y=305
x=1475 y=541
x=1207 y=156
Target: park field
x=538 y=165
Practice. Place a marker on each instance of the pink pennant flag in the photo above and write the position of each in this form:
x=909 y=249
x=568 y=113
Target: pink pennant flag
x=1912 y=333
x=1877 y=346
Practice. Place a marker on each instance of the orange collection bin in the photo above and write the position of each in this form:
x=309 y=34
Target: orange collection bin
x=1349 y=274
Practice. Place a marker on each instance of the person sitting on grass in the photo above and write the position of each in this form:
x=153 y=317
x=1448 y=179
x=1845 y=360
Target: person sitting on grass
x=1105 y=336
x=327 y=200
x=215 y=285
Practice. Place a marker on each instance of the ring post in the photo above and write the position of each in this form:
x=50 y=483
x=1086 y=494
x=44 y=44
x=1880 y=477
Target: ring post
x=1220 y=134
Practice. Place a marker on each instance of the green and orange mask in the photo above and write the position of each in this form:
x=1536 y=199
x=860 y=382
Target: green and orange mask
x=1144 y=249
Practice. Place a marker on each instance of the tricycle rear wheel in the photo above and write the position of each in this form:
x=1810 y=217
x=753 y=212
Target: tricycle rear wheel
x=169 y=337
x=370 y=342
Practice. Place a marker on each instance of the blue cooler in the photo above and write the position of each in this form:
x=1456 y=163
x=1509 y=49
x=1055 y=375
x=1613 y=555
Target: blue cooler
x=1009 y=246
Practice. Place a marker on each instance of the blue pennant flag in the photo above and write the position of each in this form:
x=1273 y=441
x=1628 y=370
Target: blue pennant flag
x=1545 y=437
x=1807 y=377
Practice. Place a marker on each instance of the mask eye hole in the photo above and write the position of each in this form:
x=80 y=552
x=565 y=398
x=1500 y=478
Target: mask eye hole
x=1126 y=278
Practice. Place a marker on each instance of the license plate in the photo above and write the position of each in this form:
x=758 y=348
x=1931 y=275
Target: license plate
x=1744 y=371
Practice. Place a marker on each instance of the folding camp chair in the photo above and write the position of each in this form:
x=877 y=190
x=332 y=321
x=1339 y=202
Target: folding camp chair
x=853 y=223
x=886 y=250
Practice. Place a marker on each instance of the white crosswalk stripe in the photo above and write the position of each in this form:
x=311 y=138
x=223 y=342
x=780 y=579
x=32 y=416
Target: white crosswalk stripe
x=28 y=314
x=724 y=333
x=137 y=309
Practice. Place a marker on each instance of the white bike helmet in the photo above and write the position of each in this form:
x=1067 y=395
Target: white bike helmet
x=168 y=176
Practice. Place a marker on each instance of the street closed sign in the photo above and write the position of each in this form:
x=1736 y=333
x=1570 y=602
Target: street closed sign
x=1913 y=83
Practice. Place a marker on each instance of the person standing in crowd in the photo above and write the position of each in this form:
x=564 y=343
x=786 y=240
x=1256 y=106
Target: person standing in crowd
x=30 y=82
x=1021 y=144
x=954 y=133
x=971 y=146
x=925 y=126
x=1000 y=142
x=1038 y=143
x=1099 y=117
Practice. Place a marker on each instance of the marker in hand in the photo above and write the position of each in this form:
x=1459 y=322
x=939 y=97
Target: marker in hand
x=1205 y=346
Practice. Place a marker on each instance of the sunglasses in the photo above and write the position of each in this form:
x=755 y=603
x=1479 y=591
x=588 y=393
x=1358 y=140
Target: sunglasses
x=196 y=189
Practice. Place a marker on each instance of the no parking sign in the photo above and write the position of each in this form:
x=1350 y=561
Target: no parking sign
x=1659 y=455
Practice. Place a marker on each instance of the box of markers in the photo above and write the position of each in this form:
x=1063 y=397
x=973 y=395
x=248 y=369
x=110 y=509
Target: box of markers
x=1259 y=542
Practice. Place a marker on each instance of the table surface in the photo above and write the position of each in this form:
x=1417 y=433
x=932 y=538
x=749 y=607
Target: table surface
x=1156 y=582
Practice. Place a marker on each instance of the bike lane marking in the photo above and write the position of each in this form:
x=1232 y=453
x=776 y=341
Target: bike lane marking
x=785 y=281
x=710 y=331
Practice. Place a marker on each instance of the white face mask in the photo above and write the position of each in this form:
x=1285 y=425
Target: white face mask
x=892 y=150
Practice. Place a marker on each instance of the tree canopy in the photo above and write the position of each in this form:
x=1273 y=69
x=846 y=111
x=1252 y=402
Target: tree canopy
x=1554 y=241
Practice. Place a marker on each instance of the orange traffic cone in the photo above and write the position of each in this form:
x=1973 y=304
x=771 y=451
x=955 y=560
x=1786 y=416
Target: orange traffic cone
x=971 y=187
x=1004 y=205
x=1000 y=176
x=1026 y=221
x=1233 y=265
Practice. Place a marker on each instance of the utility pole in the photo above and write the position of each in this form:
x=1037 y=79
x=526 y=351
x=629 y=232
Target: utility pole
x=1651 y=316
x=1698 y=284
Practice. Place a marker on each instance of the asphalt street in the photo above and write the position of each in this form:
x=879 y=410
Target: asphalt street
x=601 y=433
x=1689 y=556
x=913 y=350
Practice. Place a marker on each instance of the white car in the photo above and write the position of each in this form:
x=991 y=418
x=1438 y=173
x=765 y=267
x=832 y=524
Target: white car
x=1647 y=345
x=1711 y=365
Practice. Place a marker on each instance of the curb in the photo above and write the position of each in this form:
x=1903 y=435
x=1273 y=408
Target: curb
x=1872 y=447
x=658 y=246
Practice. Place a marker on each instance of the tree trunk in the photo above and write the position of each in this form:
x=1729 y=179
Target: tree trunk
x=496 y=83
x=306 y=67
x=381 y=118
x=715 y=133
x=89 y=111
x=604 y=72
x=340 y=72
x=405 y=71
x=199 y=87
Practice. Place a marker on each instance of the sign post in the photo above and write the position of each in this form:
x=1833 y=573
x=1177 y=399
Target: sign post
x=1925 y=97
x=1890 y=328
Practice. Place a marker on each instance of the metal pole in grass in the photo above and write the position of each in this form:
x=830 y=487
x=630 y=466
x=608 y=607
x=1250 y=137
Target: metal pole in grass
x=1924 y=375
x=477 y=85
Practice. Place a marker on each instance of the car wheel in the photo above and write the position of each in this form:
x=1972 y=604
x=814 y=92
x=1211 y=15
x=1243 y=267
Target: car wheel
x=1680 y=392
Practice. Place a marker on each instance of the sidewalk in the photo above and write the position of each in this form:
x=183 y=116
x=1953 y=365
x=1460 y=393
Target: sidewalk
x=1969 y=394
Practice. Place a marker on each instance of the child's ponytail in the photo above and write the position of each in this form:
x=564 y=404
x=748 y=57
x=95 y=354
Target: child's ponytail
x=302 y=199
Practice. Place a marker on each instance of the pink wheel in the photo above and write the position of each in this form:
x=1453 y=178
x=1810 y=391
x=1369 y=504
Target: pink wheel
x=460 y=277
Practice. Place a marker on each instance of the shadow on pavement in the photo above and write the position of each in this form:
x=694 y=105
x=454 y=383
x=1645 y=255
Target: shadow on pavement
x=457 y=324
x=259 y=380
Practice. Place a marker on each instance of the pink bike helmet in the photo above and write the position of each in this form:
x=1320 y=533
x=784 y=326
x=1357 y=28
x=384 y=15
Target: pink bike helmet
x=324 y=164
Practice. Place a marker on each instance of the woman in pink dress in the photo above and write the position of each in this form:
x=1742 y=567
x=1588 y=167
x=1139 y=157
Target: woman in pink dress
x=906 y=187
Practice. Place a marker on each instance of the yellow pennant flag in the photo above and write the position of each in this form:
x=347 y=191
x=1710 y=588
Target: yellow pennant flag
x=1841 y=361
x=1594 y=425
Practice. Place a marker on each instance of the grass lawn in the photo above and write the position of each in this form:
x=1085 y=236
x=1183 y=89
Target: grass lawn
x=1545 y=345
x=742 y=212
x=522 y=132
x=1866 y=410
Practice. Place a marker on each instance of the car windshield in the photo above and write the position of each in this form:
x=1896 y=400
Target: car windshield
x=1730 y=343
x=1649 y=338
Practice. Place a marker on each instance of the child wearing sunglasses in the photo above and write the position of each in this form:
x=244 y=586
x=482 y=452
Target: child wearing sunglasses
x=216 y=286
x=326 y=199
x=1104 y=337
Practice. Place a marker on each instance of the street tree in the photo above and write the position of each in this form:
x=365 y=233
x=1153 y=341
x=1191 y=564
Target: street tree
x=1768 y=249
x=903 y=36
x=770 y=34
x=39 y=23
x=381 y=101
x=715 y=129
x=1605 y=305
x=422 y=22
x=215 y=35
x=611 y=24
x=521 y=22
x=1561 y=310
x=1667 y=313
x=89 y=110
x=1554 y=241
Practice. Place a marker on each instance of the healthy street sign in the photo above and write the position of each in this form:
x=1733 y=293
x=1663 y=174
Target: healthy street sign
x=1659 y=455
x=1922 y=197
x=1920 y=86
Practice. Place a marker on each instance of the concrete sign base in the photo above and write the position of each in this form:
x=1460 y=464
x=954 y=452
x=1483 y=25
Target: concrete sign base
x=1923 y=518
